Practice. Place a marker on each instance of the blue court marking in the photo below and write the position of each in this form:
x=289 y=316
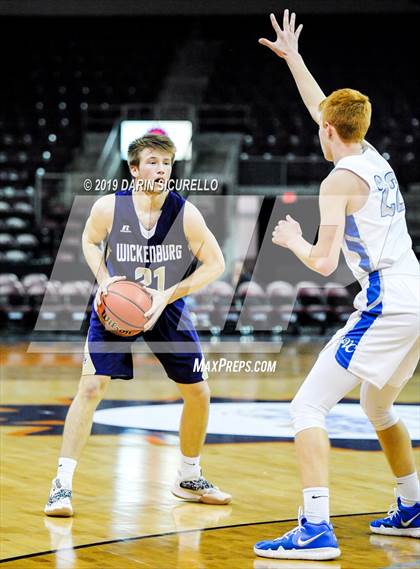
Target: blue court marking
x=36 y=415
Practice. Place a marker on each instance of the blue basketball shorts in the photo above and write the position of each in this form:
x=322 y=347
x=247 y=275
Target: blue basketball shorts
x=173 y=340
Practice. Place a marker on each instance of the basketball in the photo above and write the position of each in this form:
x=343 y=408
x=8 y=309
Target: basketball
x=122 y=310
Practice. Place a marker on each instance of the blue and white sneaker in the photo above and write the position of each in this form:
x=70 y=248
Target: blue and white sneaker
x=401 y=520
x=306 y=541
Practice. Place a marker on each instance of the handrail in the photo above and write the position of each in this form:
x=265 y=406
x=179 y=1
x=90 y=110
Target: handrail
x=108 y=146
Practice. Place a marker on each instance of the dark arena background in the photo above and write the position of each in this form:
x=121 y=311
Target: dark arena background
x=79 y=81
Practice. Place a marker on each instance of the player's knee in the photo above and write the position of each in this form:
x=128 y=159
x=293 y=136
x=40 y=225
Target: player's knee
x=381 y=417
x=93 y=388
x=306 y=414
x=203 y=392
x=378 y=407
x=199 y=392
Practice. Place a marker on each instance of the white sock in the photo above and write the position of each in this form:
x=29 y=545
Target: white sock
x=316 y=504
x=189 y=467
x=65 y=470
x=408 y=489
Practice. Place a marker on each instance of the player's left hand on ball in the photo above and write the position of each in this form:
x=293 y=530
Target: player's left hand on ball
x=285 y=231
x=160 y=299
x=103 y=289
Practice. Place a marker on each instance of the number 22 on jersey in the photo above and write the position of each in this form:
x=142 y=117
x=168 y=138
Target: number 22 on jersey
x=391 y=196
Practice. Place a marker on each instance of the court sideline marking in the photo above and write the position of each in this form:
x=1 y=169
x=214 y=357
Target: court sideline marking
x=165 y=534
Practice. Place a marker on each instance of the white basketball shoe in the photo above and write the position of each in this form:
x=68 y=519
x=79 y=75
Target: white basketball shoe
x=199 y=490
x=59 y=501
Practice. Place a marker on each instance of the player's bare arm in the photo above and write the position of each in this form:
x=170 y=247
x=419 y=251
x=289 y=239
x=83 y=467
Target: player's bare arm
x=205 y=248
x=334 y=197
x=286 y=46
x=95 y=232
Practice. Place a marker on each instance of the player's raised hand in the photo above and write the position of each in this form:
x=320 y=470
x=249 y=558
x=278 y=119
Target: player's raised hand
x=286 y=42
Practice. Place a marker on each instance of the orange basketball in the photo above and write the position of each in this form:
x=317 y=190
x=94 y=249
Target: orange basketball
x=122 y=309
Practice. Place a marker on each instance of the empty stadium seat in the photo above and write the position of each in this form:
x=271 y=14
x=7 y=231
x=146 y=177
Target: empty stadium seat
x=5 y=209
x=16 y=256
x=16 y=224
x=23 y=209
x=254 y=307
x=339 y=304
x=311 y=308
x=26 y=242
x=35 y=294
x=14 y=307
x=281 y=297
x=34 y=279
x=7 y=241
x=203 y=310
x=250 y=288
x=281 y=290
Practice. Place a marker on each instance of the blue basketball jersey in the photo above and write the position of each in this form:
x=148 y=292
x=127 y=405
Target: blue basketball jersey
x=158 y=258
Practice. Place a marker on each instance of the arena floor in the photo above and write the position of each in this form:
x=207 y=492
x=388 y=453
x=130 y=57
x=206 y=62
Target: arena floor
x=125 y=515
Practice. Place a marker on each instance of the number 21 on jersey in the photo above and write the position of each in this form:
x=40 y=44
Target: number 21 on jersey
x=147 y=275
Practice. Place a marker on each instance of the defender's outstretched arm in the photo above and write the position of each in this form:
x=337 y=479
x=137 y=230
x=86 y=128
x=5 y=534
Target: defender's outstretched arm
x=286 y=47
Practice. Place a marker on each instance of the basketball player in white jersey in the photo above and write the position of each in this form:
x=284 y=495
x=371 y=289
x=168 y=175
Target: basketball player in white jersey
x=362 y=213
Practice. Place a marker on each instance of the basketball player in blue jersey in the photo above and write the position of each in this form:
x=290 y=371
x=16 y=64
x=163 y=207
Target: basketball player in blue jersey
x=362 y=213
x=152 y=236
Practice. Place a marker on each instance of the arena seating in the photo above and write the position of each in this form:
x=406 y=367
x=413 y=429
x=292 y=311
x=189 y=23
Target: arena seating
x=44 y=109
x=279 y=124
x=278 y=307
x=218 y=309
x=340 y=304
x=65 y=74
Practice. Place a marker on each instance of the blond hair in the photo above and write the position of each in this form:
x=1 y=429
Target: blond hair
x=157 y=141
x=349 y=112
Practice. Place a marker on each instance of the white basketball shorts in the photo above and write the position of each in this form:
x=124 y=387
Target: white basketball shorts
x=383 y=338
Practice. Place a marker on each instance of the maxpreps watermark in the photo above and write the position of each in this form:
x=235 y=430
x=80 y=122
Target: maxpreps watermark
x=234 y=366
x=181 y=185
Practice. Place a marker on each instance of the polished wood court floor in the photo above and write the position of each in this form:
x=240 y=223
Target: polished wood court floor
x=126 y=516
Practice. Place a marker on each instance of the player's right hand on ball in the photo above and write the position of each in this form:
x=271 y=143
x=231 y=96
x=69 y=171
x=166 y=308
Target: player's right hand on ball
x=103 y=290
x=286 y=42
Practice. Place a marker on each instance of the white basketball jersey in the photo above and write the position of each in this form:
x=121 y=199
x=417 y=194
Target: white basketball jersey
x=376 y=236
x=377 y=247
